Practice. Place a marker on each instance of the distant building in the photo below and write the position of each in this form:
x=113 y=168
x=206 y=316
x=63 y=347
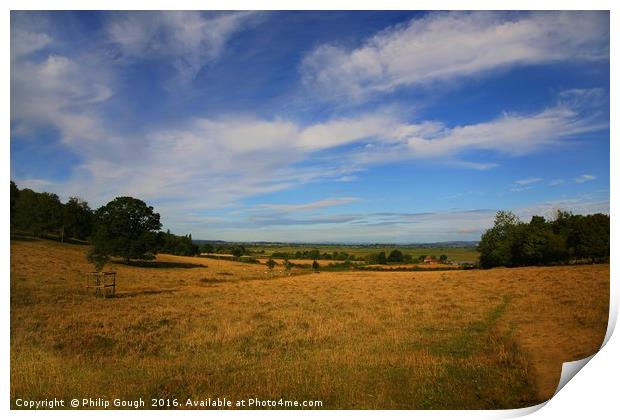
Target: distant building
x=430 y=260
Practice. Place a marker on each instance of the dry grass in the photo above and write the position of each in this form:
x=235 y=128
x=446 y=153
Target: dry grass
x=457 y=339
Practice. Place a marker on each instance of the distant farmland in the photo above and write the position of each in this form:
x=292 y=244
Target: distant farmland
x=459 y=253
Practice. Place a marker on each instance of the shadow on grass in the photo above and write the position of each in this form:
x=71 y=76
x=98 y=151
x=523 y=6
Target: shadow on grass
x=212 y=281
x=27 y=237
x=134 y=293
x=23 y=238
x=159 y=264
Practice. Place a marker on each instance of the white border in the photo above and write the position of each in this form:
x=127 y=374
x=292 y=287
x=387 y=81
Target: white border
x=592 y=394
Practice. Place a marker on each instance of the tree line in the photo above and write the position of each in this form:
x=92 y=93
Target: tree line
x=567 y=238
x=124 y=227
x=315 y=254
x=236 y=250
x=396 y=256
x=43 y=214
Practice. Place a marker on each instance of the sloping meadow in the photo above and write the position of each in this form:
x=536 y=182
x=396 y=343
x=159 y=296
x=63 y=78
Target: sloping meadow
x=194 y=328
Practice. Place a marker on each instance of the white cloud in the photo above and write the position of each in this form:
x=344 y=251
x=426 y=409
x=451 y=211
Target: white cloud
x=584 y=178
x=190 y=39
x=510 y=134
x=208 y=163
x=61 y=93
x=343 y=131
x=444 y=46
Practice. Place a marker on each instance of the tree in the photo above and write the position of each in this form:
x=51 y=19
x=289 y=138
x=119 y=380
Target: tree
x=536 y=243
x=14 y=197
x=38 y=213
x=395 y=256
x=271 y=263
x=77 y=219
x=495 y=246
x=169 y=243
x=591 y=237
x=315 y=266
x=443 y=258
x=567 y=237
x=126 y=227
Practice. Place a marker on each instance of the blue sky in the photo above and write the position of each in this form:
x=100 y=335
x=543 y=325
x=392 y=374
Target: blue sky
x=392 y=127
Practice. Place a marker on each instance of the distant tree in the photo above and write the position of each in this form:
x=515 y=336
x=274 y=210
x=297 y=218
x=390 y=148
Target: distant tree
x=238 y=250
x=381 y=258
x=395 y=256
x=443 y=258
x=314 y=254
x=315 y=266
x=271 y=263
x=206 y=248
x=125 y=227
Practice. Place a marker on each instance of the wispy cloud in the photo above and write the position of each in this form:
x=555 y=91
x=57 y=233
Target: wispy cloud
x=584 y=178
x=525 y=184
x=397 y=227
x=189 y=39
x=528 y=181
x=315 y=205
x=510 y=134
x=445 y=46
x=25 y=42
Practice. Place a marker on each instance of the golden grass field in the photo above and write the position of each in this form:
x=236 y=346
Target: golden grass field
x=417 y=340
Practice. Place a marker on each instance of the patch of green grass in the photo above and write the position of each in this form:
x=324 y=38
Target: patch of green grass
x=479 y=378
x=472 y=337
